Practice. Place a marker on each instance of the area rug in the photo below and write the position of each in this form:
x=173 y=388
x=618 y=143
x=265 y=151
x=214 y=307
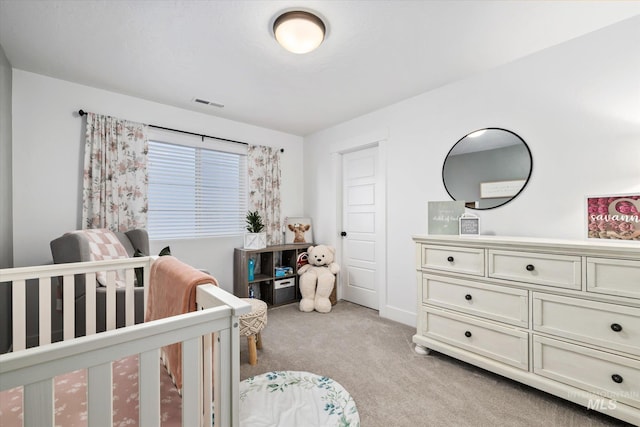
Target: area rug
x=295 y=398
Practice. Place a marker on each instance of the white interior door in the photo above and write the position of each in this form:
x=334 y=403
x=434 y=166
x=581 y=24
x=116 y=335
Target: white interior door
x=361 y=222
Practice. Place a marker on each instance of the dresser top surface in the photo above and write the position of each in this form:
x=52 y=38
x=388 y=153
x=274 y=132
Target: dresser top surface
x=591 y=246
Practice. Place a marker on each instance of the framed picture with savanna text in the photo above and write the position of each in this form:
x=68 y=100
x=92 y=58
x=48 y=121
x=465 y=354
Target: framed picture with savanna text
x=613 y=217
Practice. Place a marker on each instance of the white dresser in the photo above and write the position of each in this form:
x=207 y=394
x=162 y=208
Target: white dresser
x=561 y=316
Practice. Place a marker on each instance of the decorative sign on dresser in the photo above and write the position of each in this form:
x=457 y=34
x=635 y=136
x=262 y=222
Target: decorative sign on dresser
x=561 y=316
x=443 y=217
x=614 y=217
x=469 y=225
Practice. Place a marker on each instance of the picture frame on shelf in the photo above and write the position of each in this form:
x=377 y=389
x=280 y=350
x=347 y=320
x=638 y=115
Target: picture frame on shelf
x=298 y=230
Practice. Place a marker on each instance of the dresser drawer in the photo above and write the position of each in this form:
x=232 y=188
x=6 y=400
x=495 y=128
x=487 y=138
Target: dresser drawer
x=542 y=269
x=489 y=301
x=506 y=345
x=604 y=374
x=453 y=259
x=607 y=325
x=613 y=277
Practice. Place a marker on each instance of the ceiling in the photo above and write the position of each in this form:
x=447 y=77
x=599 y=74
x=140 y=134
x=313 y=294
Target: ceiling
x=376 y=53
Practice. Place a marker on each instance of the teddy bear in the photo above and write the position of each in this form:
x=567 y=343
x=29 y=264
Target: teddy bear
x=317 y=279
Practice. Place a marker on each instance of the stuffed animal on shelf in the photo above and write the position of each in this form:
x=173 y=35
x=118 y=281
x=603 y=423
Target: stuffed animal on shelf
x=317 y=279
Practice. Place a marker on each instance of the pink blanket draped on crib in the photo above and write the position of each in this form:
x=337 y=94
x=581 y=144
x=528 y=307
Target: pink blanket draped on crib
x=172 y=291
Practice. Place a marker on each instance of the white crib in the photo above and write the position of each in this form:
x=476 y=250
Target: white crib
x=35 y=368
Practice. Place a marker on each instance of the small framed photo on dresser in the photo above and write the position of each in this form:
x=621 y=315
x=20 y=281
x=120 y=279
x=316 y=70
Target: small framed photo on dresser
x=469 y=225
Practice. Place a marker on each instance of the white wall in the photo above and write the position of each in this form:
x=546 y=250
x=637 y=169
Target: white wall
x=576 y=105
x=6 y=217
x=6 y=240
x=48 y=150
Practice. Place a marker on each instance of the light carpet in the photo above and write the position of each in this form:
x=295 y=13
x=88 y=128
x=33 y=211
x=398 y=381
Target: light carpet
x=392 y=386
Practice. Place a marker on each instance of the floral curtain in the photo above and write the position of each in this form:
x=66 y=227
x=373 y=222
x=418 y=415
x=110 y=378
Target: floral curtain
x=264 y=188
x=115 y=174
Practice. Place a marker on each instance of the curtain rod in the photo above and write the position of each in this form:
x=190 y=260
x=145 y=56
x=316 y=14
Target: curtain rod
x=82 y=113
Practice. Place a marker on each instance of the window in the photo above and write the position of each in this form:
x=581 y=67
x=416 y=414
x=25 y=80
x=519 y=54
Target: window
x=197 y=188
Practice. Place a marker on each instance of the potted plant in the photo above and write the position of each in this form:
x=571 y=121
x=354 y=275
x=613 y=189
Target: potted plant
x=255 y=238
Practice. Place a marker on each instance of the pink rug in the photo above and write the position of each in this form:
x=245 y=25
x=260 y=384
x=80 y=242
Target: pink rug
x=71 y=399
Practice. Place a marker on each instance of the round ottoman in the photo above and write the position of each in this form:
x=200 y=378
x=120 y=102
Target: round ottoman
x=252 y=324
x=294 y=399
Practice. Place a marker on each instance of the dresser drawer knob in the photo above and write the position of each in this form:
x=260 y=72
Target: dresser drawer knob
x=616 y=327
x=468 y=335
x=450 y=258
x=616 y=378
x=467 y=297
x=530 y=267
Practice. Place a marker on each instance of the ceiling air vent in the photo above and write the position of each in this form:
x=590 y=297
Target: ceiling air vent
x=205 y=102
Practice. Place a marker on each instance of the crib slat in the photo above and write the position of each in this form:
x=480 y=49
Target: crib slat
x=223 y=379
x=129 y=298
x=191 y=405
x=207 y=375
x=90 y=300
x=99 y=396
x=147 y=275
x=19 y=302
x=111 y=300
x=39 y=395
x=44 y=303
x=234 y=376
x=68 y=307
x=149 y=388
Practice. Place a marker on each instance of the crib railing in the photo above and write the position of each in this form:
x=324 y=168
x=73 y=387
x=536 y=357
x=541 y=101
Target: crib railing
x=35 y=368
x=46 y=277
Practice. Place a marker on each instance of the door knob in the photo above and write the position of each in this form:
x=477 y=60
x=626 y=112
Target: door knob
x=343 y=234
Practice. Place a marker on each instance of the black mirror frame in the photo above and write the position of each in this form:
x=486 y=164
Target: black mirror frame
x=512 y=197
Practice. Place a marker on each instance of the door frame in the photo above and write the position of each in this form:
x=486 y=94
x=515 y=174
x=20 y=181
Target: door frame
x=379 y=140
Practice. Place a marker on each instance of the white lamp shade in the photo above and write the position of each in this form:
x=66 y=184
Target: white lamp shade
x=299 y=32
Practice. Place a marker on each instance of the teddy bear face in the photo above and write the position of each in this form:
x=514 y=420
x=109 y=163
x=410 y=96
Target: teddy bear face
x=320 y=255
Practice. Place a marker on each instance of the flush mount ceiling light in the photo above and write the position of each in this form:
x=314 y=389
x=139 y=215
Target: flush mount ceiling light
x=299 y=31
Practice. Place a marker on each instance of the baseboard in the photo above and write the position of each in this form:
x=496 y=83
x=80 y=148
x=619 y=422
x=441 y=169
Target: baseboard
x=398 y=315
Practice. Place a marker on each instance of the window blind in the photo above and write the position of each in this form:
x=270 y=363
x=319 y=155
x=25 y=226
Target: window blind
x=195 y=191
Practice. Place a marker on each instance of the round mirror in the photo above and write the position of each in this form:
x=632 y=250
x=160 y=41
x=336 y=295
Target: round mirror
x=487 y=168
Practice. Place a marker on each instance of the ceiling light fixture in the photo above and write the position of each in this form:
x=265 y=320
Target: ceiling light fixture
x=299 y=31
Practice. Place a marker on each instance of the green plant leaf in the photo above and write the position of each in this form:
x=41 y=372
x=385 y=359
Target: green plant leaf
x=254 y=222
